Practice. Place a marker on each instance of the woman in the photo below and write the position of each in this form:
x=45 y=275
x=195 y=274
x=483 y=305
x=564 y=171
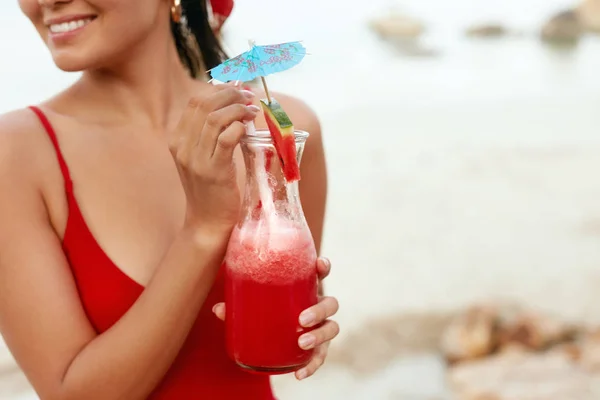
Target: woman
x=110 y=244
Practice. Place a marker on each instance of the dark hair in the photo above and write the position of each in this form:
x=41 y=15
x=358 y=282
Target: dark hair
x=197 y=45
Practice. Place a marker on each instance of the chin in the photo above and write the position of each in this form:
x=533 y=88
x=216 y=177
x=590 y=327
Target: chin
x=69 y=66
x=73 y=62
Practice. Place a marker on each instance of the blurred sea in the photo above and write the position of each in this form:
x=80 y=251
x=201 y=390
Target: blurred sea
x=467 y=175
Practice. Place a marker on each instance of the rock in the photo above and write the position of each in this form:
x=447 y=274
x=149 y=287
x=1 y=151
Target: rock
x=510 y=353
x=487 y=30
x=533 y=331
x=590 y=352
x=572 y=351
x=470 y=335
x=523 y=376
x=395 y=25
x=564 y=27
x=484 y=330
x=589 y=15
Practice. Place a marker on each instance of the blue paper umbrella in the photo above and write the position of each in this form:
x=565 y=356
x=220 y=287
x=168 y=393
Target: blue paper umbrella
x=259 y=61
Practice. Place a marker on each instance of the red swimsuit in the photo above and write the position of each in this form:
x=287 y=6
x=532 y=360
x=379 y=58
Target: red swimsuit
x=202 y=369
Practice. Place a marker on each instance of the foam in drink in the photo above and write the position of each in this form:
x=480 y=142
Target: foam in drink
x=271 y=279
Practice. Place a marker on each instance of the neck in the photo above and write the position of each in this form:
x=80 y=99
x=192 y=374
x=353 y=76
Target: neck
x=148 y=86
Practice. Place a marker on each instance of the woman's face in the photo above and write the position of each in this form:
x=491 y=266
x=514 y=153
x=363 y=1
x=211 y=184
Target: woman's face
x=86 y=34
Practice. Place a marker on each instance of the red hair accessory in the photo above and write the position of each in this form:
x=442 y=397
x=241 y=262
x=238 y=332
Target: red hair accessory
x=221 y=10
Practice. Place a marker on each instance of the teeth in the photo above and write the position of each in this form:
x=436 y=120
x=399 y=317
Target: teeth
x=69 y=26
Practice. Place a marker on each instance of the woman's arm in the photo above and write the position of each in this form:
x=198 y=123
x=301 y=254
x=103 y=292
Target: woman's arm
x=41 y=316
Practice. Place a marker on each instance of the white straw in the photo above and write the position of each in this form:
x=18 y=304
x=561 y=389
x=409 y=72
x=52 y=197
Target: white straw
x=264 y=191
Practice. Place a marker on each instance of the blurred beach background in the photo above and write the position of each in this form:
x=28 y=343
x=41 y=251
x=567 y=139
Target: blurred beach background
x=461 y=170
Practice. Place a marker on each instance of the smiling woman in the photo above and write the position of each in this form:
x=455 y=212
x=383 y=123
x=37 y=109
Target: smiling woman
x=119 y=197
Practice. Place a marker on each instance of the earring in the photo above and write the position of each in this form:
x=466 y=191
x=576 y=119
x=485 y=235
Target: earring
x=176 y=11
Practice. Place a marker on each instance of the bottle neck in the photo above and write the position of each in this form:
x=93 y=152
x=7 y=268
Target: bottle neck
x=267 y=192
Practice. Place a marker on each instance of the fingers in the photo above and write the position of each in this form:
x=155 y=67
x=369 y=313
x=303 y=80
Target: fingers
x=318 y=313
x=319 y=336
x=218 y=121
x=224 y=97
x=219 y=310
x=323 y=267
x=315 y=363
x=200 y=109
x=214 y=114
x=227 y=142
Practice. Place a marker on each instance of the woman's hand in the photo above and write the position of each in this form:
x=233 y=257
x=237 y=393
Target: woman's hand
x=316 y=315
x=202 y=147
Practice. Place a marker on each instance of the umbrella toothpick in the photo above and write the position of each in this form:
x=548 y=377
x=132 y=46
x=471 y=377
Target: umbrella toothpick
x=252 y=43
x=264 y=82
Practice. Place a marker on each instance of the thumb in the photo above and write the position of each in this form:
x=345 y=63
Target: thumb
x=219 y=310
x=323 y=267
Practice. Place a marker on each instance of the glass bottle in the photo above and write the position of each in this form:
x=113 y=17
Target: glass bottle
x=270 y=265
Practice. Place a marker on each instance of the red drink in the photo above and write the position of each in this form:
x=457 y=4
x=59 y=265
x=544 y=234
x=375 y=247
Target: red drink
x=271 y=272
x=271 y=279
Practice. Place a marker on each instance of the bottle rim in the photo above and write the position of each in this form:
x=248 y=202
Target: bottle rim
x=264 y=136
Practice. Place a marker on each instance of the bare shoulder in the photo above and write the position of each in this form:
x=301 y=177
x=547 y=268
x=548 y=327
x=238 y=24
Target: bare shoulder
x=21 y=149
x=304 y=117
x=301 y=114
x=30 y=176
x=21 y=120
x=23 y=171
